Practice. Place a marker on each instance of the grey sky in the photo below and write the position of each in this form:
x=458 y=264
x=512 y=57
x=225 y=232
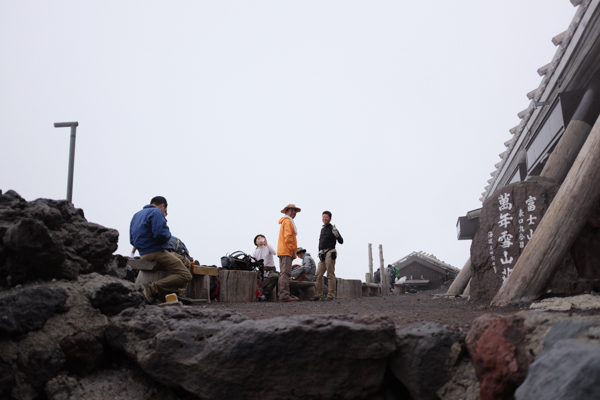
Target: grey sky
x=390 y=114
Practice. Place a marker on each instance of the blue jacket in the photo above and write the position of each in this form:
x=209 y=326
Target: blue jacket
x=148 y=230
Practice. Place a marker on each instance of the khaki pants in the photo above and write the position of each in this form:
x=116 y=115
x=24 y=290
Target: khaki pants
x=174 y=283
x=285 y=268
x=329 y=266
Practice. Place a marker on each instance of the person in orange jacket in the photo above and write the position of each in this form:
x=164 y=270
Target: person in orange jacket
x=286 y=250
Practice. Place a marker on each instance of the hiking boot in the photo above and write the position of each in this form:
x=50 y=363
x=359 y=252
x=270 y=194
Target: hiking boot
x=262 y=298
x=317 y=298
x=288 y=299
x=147 y=292
x=330 y=299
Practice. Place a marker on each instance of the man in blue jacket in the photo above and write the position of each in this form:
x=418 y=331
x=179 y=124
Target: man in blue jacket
x=149 y=234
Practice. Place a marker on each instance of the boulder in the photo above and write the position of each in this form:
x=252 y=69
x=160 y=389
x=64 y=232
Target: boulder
x=39 y=366
x=568 y=370
x=83 y=353
x=497 y=345
x=508 y=219
x=28 y=309
x=119 y=267
x=111 y=295
x=427 y=353
x=46 y=239
x=216 y=355
x=7 y=380
x=126 y=382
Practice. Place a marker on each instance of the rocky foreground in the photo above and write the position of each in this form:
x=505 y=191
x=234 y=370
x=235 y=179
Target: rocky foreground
x=81 y=330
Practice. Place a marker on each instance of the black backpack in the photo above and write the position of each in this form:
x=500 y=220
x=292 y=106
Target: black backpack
x=241 y=261
x=238 y=260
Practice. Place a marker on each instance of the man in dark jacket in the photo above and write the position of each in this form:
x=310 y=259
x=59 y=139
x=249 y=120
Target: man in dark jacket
x=149 y=234
x=327 y=256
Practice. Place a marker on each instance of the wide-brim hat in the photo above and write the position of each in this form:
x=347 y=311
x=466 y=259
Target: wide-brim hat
x=290 y=206
x=300 y=250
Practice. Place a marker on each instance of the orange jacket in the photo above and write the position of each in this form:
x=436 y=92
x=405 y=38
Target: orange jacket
x=287 y=245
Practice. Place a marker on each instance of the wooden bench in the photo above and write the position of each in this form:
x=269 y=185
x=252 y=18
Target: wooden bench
x=399 y=288
x=348 y=288
x=306 y=289
x=371 y=289
x=198 y=288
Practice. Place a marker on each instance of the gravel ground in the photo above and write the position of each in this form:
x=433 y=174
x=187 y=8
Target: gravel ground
x=404 y=310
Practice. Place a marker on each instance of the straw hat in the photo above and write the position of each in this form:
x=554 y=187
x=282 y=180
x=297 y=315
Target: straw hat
x=290 y=206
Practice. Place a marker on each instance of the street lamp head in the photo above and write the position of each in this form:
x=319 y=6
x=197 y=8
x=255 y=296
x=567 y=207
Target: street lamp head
x=65 y=124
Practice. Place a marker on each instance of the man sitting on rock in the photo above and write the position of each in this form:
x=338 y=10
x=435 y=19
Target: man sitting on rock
x=307 y=271
x=149 y=234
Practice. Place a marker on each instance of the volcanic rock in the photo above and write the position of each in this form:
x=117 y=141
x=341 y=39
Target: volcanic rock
x=111 y=295
x=28 y=309
x=426 y=355
x=569 y=370
x=83 y=353
x=497 y=346
x=302 y=356
x=46 y=239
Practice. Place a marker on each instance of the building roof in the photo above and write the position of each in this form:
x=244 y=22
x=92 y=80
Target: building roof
x=567 y=62
x=428 y=258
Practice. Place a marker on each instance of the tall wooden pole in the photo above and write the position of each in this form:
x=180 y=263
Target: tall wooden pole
x=370 y=263
x=462 y=280
x=385 y=286
x=566 y=216
x=563 y=156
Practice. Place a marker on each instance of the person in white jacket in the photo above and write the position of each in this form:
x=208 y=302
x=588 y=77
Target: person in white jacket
x=265 y=252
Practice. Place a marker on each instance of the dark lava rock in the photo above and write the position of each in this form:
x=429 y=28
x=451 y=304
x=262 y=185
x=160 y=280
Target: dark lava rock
x=569 y=370
x=41 y=366
x=7 y=380
x=28 y=309
x=111 y=295
x=83 y=353
x=216 y=355
x=567 y=330
x=426 y=354
x=119 y=268
x=46 y=239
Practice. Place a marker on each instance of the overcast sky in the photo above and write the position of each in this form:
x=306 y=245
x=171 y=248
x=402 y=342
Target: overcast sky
x=390 y=114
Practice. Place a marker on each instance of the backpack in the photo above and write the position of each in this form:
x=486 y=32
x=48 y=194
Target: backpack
x=237 y=261
x=241 y=261
x=177 y=246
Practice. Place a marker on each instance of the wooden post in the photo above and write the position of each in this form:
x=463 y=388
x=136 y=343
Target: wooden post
x=237 y=286
x=558 y=230
x=462 y=280
x=467 y=291
x=568 y=147
x=562 y=158
x=385 y=285
x=370 y=264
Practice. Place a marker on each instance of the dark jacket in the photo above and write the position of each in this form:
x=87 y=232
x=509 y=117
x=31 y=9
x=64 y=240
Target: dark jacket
x=148 y=230
x=376 y=277
x=327 y=239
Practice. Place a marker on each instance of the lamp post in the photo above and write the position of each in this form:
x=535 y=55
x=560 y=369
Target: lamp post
x=73 y=126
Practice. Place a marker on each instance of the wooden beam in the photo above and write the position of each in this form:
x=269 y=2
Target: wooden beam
x=385 y=285
x=566 y=216
x=462 y=280
x=370 y=263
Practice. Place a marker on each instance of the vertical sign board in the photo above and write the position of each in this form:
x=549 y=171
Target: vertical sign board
x=507 y=222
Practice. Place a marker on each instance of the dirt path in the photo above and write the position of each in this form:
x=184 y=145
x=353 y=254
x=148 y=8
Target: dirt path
x=455 y=313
